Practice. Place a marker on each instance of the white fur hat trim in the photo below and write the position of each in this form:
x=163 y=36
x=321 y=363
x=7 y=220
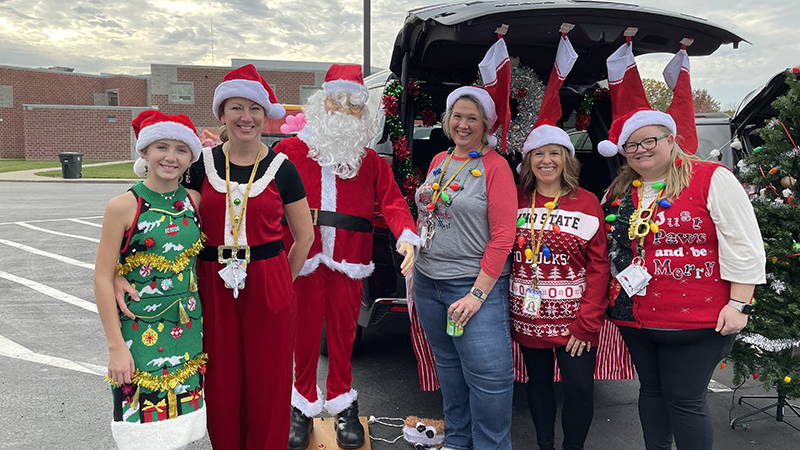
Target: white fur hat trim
x=169 y=130
x=251 y=90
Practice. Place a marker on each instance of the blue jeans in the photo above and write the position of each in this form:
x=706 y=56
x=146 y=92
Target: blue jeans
x=475 y=370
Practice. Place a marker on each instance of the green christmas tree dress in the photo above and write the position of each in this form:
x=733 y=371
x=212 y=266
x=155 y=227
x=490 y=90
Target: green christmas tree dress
x=163 y=408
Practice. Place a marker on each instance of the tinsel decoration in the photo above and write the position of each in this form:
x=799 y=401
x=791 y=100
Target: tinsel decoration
x=166 y=382
x=584 y=116
x=394 y=126
x=769 y=345
x=160 y=263
x=528 y=90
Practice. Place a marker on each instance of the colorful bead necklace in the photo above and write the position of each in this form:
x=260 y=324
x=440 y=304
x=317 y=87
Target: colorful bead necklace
x=640 y=222
x=439 y=187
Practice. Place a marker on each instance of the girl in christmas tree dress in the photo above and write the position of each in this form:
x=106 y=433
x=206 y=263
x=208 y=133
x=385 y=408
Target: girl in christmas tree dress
x=151 y=236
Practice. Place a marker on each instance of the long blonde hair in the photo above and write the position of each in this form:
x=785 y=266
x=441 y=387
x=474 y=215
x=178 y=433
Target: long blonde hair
x=678 y=176
x=569 y=175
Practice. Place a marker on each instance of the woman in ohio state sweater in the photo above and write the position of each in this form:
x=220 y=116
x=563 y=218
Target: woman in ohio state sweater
x=689 y=225
x=558 y=284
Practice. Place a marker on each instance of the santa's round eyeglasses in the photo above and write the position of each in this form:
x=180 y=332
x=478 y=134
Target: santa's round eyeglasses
x=647 y=144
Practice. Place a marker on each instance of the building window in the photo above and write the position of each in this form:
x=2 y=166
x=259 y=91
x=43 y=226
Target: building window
x=112 y=95
x=181 y=92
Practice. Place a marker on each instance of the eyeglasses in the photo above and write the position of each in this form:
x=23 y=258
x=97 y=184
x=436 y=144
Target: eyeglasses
x=647 y=144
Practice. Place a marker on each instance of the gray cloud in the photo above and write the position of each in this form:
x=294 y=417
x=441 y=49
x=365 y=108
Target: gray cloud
x=127 y=36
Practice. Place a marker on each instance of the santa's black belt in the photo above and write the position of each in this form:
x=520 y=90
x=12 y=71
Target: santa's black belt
x=246 y=252
x=340 y=220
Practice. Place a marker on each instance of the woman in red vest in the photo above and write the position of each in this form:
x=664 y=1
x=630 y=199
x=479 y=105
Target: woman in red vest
x=685 y=253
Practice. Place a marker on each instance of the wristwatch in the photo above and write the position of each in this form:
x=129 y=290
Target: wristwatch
x=742 y=307
x=478 y=294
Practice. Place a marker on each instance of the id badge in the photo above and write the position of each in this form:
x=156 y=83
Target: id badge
x=532 y=302
x=233 y=274
x=634 y=279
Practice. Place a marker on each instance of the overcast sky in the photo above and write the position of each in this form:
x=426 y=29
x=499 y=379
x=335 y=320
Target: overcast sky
x=127 y=36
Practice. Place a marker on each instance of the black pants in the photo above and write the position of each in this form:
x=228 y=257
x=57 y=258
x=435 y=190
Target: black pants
x=674 y=369
x=577 y=376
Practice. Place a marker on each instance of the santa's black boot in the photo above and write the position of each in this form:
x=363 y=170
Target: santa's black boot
x=300 y=430
x=349 y=432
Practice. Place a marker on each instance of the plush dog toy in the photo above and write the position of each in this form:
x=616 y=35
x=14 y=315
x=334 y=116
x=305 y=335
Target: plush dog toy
x=424 y=433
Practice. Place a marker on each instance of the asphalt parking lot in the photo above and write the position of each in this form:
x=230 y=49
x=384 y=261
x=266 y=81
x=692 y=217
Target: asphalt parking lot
x=53 y=351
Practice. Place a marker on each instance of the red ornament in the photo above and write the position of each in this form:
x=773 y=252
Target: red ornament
x=135 y=325
x=153 y=284
x=149 y=242
x=430 y=206
x=176 y=332
x=185 y=222
x=755 y=376
x=161 y=349
x=608 y=226
x=678 y=162
x=557 y=228
x=189 y=325
x=523 y=92
x=520 y=241
x=178 y=205
x=165 y=371
x=172 y=229
x=616 y=202
x=454 y=186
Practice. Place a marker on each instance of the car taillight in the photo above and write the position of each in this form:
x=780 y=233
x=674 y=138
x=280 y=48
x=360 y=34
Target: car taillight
x=403 y=309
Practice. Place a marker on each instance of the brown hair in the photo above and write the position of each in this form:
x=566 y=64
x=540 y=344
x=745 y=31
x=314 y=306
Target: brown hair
x=449 y=113
x=569 y=175
x=223 y=133
x=679 y=176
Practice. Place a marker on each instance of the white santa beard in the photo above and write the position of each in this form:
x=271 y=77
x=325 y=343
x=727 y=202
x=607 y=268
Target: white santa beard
x=338 y=140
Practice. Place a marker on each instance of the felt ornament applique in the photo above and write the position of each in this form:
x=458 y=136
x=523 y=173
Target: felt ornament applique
x=145 y=271
x=191 y=304
x=172 y=229
x=149 y=337
x=176 y=332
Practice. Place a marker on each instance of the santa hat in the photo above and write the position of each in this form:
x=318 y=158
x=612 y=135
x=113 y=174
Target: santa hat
x=247 y=83
x=545 y=131
x=152 y=125
x=344 y=77
x=483 y=97
x=630 y=108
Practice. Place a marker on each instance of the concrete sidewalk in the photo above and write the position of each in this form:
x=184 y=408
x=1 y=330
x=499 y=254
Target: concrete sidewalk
x=30 y=175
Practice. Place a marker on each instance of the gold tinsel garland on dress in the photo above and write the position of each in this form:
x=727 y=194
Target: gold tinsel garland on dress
x=160 y=263
x=165 y=382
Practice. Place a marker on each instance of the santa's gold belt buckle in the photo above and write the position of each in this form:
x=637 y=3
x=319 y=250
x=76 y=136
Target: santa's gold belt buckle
x=234 y=253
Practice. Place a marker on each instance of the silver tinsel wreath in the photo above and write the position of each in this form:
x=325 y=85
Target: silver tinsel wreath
x=528 y=90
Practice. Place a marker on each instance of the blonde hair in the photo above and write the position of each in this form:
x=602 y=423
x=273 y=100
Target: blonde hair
x=569 y=175
x=449 y=114
x=223 y=133
x=678 y=176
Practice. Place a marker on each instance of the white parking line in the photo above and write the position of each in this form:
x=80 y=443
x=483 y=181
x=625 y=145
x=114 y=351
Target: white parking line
x=13 y=350
x=716 y=386
x=98 y=225
x=54 y=293
x=59 y=220
x=36 y=251
x=33 y=227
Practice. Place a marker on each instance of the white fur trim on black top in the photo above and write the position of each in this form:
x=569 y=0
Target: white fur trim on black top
x=251 y=90
x=481 y=94
x=165 y=434
x=643 y=119
x=545 y=135
x=342 y=402
x=170 y=130
x=350 y=87
x=309 y=409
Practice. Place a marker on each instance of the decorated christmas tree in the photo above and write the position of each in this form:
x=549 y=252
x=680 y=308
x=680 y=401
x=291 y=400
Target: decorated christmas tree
x=769 y=348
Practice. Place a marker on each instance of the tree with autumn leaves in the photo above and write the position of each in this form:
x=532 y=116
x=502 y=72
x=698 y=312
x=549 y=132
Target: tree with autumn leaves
x=660 y=97
x=769 y=347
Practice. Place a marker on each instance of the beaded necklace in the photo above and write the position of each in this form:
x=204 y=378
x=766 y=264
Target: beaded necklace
x=529 y=254
x=640 y=222
x=439 y=187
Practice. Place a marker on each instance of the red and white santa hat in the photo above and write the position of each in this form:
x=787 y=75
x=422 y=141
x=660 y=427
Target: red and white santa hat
x=629 y=105
x=344 y=77
x=247 y=83
x=152 y=125
x=495 y=69
x=545 y=131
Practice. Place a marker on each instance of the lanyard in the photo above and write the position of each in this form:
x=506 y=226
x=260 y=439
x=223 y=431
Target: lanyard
x=538 y=244
x=439 y=188
x=237 y=220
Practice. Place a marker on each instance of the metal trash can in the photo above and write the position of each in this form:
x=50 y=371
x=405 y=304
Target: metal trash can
x=71 y=164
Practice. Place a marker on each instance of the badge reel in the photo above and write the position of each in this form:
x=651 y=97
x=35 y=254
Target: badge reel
x=233 y=274
x=532 y=302
x=634 y=279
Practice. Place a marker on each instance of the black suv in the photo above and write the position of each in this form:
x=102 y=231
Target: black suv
x=439 y=48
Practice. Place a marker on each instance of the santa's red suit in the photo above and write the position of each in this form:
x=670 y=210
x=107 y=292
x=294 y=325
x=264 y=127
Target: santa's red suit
x=332 y=280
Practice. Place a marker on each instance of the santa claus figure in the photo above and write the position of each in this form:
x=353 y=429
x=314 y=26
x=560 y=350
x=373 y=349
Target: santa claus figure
x=343 y=180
